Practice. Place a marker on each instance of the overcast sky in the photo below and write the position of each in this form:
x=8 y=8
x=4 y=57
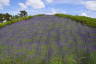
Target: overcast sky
x=74 y=7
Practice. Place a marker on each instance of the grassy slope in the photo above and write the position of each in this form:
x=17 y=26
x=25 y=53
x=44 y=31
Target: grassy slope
x=14 y=21
x=18 y=20
x=82 y=19
x=47 y=40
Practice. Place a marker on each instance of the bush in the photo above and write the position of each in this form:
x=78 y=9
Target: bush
x=14 y=21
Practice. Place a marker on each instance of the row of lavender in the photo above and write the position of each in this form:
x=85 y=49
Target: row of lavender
x=47 y=40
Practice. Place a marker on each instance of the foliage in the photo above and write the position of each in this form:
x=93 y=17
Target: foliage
x=53 y=42
x=23 y=13
x=6 y=16
x=15 y=20
x=39 y=15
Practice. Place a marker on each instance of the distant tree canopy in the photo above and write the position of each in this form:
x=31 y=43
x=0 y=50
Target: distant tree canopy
x=23 y=13
x=1 y=17
x=8 y=16
x=5 y=16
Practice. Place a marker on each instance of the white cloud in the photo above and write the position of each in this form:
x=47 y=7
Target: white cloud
x=84 y=14
x=51 y=13
x=22 y=5
x=90 y=5
x=33 y=3
x=54 y=11
x=49 y=1
x=65 y=1
x=4 y=3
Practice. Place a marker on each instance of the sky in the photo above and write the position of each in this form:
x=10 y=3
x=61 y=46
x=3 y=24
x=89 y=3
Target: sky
x=73 y=7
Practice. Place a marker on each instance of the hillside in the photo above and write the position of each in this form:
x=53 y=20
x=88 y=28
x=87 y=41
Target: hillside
x=47 y=40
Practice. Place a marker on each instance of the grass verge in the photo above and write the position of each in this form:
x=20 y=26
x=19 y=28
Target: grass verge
x=82 y=19
x=14 y=21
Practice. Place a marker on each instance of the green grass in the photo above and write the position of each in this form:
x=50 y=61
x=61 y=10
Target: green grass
x=55 y=58
x=39 y=15
x=82 y=19
x=14 y=21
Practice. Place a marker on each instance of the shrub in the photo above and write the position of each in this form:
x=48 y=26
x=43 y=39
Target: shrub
x=14 y=21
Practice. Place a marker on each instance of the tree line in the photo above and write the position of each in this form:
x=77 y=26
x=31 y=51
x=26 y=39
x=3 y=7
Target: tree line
x=9 y=17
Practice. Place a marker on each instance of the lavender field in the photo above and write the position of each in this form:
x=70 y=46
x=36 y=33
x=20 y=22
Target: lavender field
x=47 y=40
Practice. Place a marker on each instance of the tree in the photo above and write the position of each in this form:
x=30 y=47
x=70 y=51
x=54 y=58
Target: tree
x=1 y=17
x=23 y=13
x=16 y=16
x=8 y=16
